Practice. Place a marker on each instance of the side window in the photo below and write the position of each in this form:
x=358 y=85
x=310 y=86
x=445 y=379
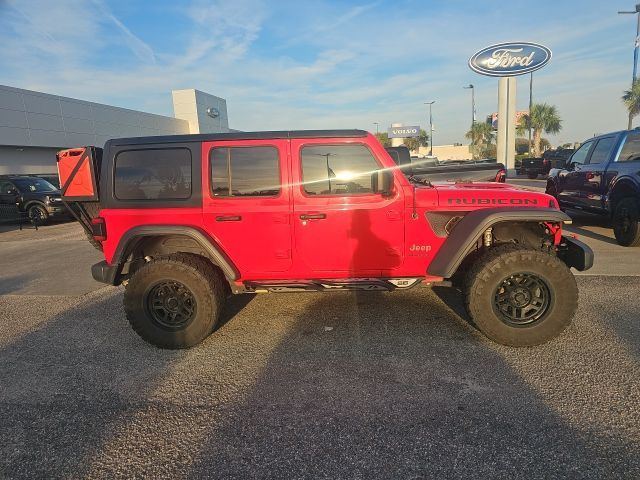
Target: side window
x=631 y=149
x=337 y=169
x=153 y=174
x=602 y=150
x=245 y=172
x=580 y=157
x=6 y=187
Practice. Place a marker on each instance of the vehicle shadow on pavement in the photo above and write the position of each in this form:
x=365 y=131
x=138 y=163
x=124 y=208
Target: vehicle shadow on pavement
x=15 y=283
x=295 y=385
x=372 y=385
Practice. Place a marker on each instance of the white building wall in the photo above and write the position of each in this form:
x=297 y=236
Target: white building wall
x=191 y=105
x=35 y=119
x=34 y=125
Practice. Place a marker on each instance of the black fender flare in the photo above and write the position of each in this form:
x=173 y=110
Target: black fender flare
x=216 y=254
x=29 y=203
x=469 y=229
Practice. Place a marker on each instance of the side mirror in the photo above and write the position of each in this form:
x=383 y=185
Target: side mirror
x=382 y=182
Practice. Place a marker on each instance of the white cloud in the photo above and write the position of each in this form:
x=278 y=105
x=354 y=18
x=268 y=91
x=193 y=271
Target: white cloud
x=324 y=67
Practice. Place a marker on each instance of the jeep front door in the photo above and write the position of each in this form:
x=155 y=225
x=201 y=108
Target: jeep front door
x=246 y=204
x=341 y=226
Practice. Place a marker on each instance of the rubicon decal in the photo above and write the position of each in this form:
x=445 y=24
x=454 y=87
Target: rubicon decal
x=510 y=59
x=492 y=201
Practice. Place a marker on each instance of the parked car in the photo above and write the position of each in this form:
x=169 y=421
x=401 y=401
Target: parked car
x=535 y=166
x=52 y=178
x=34 y=196
x=186 y=220
x=433 y=170
x=603 y=177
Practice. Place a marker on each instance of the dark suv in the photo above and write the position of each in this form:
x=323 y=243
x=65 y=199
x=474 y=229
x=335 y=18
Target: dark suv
x=33 y=196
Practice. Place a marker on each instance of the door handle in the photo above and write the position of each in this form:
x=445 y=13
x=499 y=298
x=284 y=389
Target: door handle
x=228 y=218
x=313 y=216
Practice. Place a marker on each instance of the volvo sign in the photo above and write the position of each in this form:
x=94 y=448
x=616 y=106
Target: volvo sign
x=510 y=59
x=404 y=132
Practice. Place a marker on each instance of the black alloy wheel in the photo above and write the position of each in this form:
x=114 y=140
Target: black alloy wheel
x=522 y=299
x=171 y=305
x=37 y=214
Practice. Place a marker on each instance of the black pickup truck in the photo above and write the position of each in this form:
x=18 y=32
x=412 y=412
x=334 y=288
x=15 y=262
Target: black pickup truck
x=532 y=167
x=455 y=171
x=603 y=177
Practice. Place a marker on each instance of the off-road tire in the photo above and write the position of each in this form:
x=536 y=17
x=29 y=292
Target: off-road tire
x=626 y=222
x=502 y=263
x=202 y=281
x=37 y=214
x=532 y=175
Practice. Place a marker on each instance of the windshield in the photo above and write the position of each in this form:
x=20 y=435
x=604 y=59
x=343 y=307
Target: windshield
x=33 y=185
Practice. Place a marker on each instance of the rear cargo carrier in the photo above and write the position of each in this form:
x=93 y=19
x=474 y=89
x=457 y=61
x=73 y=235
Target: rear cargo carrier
x=79 y=172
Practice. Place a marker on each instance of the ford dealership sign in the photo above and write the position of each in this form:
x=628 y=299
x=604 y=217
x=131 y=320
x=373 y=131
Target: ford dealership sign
x=509 y=59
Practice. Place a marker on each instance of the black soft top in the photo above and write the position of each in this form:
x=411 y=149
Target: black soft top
x=211 y=137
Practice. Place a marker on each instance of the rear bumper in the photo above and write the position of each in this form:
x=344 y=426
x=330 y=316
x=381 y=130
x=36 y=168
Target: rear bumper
x=105 y=273
x=576 y=254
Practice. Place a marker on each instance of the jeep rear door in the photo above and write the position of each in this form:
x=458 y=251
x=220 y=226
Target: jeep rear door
x=246 y=203
x=341 y=227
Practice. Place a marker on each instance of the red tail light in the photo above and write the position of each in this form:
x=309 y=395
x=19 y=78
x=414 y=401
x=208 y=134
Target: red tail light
x=99 y=229
x=546 y=162
x=501 y=176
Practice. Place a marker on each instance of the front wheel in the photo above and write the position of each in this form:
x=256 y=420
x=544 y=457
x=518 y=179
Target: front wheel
x=174 y=301
x=520 y=297
x=626 y=223
x=38 y=215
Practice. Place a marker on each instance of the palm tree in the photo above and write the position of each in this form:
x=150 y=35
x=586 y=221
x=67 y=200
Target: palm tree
x=414 y=143
x=542 y=118
x=631 y=99
x=481 y=135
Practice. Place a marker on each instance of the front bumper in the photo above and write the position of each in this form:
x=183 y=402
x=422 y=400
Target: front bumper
x=57 y=209
x=105 y=273
x=575 y=253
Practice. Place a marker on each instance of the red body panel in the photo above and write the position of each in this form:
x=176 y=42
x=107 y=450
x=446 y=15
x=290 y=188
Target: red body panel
x=364 y=235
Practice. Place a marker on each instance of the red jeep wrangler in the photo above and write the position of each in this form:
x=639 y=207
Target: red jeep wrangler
x=185 y=221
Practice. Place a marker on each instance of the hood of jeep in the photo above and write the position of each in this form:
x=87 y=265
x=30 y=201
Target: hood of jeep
x=483 y=195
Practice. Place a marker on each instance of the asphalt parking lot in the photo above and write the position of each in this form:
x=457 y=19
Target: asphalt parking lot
x=307 y=385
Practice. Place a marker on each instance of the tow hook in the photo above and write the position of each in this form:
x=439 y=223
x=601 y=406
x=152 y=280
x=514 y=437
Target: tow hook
x=487 y=237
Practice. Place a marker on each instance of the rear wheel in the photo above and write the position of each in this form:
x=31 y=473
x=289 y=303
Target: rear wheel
x=626 y=222
x=532 y=175
x=174 y=301
x=520 y=297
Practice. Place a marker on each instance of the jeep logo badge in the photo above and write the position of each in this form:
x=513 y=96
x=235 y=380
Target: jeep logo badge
x=510 y=59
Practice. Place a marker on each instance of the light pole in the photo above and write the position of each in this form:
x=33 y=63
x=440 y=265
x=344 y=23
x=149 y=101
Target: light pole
x=635 y=51
x=473 y=103
x=430 y=128
x=376 y=124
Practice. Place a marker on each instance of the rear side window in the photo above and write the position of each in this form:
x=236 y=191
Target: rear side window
x=602 y=150
x=153 y=174
x=337 y=169
x=631 y=149
x=245 y=172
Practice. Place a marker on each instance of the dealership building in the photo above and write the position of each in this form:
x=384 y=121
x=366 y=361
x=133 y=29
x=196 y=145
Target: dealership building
x=35 y=125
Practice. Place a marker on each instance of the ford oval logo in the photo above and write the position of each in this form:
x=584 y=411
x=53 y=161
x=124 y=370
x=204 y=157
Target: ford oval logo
x=509 y=59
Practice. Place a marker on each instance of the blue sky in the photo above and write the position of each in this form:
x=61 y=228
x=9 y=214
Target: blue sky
x=321 y=64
